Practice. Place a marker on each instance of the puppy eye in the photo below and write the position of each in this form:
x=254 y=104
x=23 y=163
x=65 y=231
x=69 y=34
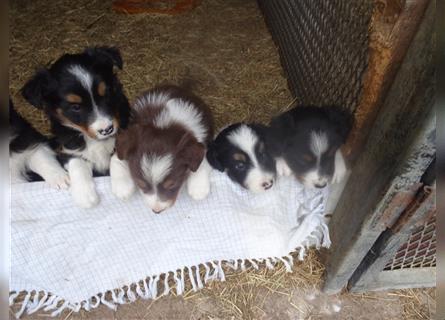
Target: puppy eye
x=170 y=185
x=240 y=166
x=75 y=107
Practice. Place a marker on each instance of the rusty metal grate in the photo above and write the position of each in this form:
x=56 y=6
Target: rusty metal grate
x=419 y=251
x=323 y=47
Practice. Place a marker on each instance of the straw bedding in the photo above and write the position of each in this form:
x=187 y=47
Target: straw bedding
x=225 y=46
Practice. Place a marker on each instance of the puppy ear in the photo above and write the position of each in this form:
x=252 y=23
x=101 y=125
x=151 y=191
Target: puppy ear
x=191 y=151
x=125 y=144
x=108 y=55
x=37 y=88
x=213 y=156
x=342 y=118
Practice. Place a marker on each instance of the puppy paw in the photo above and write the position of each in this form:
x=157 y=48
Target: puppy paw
x=282 y=168
x=85 y=196
x=198 y=188
x=339 y=168
x=58 y=179
x=122 y=188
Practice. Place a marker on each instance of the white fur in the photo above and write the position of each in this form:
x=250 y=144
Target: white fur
x=41 y=160
x=282 y=167
x=97 y=152
x=184 y=113
x=246 y=139
x=82 y=187
x=339 y=167
x=255 y=179
x=155 y=203
x=156 y=168
x=153 y=99
x=198 y=183
x=101 y=121
x=312 y=178
x=122 y=184
x=85 y=78
x=319 y=143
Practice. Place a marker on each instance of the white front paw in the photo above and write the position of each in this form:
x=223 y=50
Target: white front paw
x=282 y=168
x=58 y=179
x=123 y=188
x=339 y=168
x=198 y=188
x=85 y=196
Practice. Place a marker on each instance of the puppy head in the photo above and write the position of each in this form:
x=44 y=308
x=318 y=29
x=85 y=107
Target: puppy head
x=80 y=91
x=159 y=165
x=240 y=151
x=312 y=147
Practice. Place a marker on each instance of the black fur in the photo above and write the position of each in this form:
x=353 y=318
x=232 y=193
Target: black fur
x=290 y=137
x=48 y=89
x=23 y=136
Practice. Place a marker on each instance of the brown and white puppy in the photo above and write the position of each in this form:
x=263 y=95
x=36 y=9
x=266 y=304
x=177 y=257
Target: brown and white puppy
x=164 y=146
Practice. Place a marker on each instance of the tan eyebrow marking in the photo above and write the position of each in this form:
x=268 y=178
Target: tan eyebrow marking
x=73 y=98
x=168 y=184
x=239 y=157
x=101 y=88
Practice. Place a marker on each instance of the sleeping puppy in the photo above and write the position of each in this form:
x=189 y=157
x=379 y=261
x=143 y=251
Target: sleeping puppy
x=241 y=152
x=306 y=141
x=86 y=106
x=163 y=147
x=29 y=152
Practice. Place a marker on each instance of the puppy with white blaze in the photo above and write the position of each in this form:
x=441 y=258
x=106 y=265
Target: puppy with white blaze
x=241 y=152
x=30 y=153
x=86 y=106
x=163 y=147
x=306 y=142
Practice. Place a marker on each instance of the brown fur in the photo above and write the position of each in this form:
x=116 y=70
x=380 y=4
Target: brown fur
x=67 y=122
x=142 y=137
x=101 y=88
x=239 y=157
x=73 y=98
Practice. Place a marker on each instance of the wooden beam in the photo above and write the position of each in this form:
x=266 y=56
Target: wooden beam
x=400 y=147
x=401 y=279
x=393 y=26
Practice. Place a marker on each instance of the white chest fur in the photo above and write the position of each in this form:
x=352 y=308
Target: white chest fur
x=97 y=152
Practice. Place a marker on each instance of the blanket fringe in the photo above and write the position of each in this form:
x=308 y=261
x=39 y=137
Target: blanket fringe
x=148 y=288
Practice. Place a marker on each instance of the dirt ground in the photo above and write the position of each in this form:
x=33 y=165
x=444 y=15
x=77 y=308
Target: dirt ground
x=225 y=45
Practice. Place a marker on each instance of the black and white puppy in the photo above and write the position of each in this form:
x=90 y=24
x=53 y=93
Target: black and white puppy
x=29 y=152
x=86 y=106
x=240 y=151
x=306 y=141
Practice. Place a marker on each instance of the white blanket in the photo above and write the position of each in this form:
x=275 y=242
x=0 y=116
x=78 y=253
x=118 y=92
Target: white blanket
x=66 y=257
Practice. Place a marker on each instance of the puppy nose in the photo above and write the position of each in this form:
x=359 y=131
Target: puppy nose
x=106 y=131
x=320 y=185
x=267 y=185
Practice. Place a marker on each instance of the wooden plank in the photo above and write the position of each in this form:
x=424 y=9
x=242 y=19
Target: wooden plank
x=400 y=147
x=393 y=26
x=401 y=279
